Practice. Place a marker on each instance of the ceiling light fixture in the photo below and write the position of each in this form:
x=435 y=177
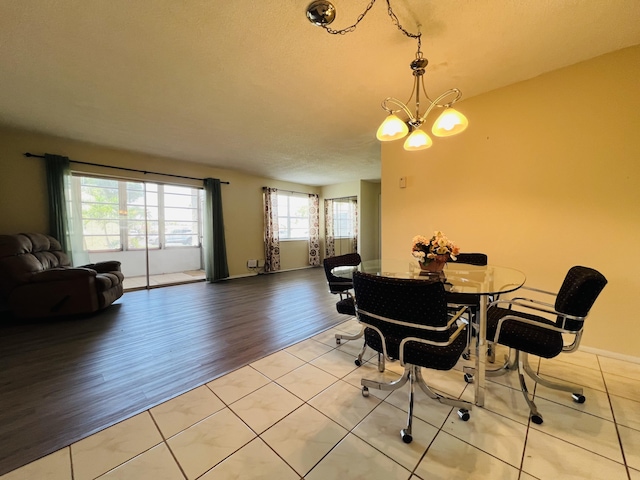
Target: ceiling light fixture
x=450 y=122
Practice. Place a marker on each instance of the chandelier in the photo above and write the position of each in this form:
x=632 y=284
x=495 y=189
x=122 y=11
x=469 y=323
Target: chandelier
x=450 y=122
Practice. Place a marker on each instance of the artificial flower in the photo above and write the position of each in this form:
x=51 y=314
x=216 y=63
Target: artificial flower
x=425 y=250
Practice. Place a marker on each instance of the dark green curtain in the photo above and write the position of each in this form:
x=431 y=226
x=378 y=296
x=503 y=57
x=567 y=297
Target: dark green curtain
x=215 y=250
x=58 y=173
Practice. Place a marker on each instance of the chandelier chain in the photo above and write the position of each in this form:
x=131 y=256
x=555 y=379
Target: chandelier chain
x=396 y=22
x=352 y=27
x=394 y=19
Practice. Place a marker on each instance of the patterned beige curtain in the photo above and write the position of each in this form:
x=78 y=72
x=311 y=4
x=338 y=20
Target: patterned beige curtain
x=271 y=231
x=329 y=238
x=354 y=217
x=314 y=230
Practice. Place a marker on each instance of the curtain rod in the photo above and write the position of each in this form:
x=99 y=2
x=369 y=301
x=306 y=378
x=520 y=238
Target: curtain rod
x=124 y=168
x=290 y=191
x=344 y=198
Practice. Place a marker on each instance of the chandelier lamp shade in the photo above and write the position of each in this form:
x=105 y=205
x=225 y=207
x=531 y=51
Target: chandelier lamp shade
x=402 y=120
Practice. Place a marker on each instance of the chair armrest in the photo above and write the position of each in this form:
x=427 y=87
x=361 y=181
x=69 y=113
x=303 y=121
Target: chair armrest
x=453 y=319
x=61 y=274
x=449 y=341
x=532 y=289
x=557 y=325
x=528 y=304
x=452 y=337
x=544 y=326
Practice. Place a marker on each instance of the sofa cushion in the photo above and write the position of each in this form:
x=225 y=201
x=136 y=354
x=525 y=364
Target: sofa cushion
x=25 y=254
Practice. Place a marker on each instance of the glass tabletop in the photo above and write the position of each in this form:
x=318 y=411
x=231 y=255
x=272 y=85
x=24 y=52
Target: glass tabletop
x=458 y=277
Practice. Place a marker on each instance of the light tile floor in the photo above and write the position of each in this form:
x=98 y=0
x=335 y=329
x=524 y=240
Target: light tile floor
x=299 y=413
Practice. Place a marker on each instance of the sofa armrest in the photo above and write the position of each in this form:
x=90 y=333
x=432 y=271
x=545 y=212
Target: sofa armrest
x=56 y=292
x=61 y=274
x=104 y=267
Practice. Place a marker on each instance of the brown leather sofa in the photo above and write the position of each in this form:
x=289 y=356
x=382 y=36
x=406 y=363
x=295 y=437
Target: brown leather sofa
x=36 y=279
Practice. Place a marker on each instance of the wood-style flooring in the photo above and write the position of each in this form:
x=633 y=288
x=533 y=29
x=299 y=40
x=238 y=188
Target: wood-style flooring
x=62 y=380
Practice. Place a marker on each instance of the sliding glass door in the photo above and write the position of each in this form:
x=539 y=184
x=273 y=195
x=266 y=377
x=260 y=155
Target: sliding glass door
x=153 y=229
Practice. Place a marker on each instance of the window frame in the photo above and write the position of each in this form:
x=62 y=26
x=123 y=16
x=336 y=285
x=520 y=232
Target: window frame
x=124 y=222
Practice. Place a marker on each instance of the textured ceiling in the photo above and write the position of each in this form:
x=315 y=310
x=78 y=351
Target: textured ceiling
x=253 y=86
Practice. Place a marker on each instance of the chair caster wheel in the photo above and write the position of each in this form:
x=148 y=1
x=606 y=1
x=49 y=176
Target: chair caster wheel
x=365 y=391
x=466 y=356
x=406 y=437
x=357 y=362
x=337 y=341
x=468 y=378
x=578 y=398
x=464 y=414
x=536 y=418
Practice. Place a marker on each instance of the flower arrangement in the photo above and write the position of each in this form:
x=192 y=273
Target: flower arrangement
x=438 y=248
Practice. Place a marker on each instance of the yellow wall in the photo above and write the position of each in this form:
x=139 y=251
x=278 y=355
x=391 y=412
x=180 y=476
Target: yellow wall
x=23 y=192
x=369 y=221
x=547 y=176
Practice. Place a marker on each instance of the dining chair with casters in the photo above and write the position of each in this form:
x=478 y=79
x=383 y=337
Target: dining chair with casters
x=537 y=327
x=343 y=287
x=408 y=319
x=472 y=302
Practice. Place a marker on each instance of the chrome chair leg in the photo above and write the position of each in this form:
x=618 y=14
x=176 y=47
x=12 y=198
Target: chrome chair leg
x=577 y=392
x=510 y=364
x=466 y=354
x=413 y=375
x=387 y=386
x=381 y=362
x=405 y=433
x=340 y=336
x=358 y=361
x=525 y=368
x=565 y=387
x=491 y=352
x=436 y=396
x=356 y=336
x=534 y=415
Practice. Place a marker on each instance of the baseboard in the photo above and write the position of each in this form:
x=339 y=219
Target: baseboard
x=289 y=269
x=244 y=275
x=605 y=353
x=253 y=274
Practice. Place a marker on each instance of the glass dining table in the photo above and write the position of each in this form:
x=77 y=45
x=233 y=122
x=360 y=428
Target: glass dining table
x=483 y=281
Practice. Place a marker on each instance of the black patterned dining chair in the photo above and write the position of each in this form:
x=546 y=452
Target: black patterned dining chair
x=471 y=301
x=531 y=326
x=343 y=287
x=408 y=320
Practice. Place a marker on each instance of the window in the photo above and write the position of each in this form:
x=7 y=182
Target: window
x=293 y=216
x=121 y=215
x=343 y=218
x=100 y=213
x=181 y=216
x=141 y=215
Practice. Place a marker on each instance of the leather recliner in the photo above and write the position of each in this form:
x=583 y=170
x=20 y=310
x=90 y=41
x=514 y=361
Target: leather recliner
x=37 y=279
